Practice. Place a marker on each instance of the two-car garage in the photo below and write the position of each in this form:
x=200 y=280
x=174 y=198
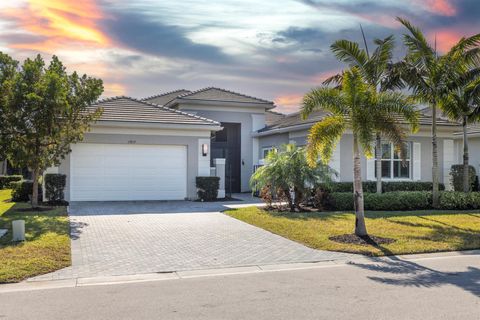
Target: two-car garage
x=118 y=172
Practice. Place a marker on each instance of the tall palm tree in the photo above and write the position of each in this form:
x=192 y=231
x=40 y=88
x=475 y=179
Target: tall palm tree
x=428 y=75
x=462 y=104
x=357 y=106
x=375 y=69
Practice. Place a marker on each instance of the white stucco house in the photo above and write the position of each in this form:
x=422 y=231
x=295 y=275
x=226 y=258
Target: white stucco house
x=152 y=149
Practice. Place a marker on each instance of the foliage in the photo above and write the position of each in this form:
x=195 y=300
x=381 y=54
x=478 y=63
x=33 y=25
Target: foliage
x=207 y=188
x=47 y=247
x=287 y=169
x=459 y=200
x=45 y=111
x=414 y=232
x=6 y=180
x=456 y=177
x=407 y=200
x=22 y=191
x=429 y=76
x=54 y=188
x=388 y=186
x=356 y=105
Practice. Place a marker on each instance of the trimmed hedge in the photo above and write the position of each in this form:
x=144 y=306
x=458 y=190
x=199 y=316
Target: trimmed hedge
x=406 y=200
x=456 y=177
x=22 y=191
x=6 y=180
x=207 y=188
x=54 y=188
x=387 y=186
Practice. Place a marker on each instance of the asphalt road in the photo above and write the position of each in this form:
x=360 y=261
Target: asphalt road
x=433 y=288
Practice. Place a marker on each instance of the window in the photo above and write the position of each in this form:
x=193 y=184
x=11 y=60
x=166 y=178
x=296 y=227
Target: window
x=265 y=151
x=392 y=165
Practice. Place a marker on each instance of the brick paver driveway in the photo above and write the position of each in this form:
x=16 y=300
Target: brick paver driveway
x=117 y=241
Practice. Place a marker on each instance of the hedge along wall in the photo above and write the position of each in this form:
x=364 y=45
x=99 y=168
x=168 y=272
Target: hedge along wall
x=407 y=200
x=6 y=180
x=207 y=188
x=387 y=186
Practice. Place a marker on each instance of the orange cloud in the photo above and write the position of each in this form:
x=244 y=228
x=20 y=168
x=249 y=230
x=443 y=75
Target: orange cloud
x=114 y=89
x=443 y=7
x=288 y=102
x=58 y=23
x=446 y=38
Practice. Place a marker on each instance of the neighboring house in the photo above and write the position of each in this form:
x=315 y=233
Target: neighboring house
x=152 y=149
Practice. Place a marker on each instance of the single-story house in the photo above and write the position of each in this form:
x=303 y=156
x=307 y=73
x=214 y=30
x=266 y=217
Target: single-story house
x=152 y=149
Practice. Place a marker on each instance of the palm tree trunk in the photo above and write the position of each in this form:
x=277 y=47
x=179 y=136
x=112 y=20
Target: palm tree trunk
x=435 y=175
x=360 y=227
x=35 y=188
x=378 y=156
x=466 y=167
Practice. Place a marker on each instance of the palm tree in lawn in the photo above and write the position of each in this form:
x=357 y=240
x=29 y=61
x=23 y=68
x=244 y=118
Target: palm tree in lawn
x=357 y=106
x=376 y=71
x=429 y=76
x=462 y=104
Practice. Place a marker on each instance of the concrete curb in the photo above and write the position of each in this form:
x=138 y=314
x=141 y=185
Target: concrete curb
x=190 y=274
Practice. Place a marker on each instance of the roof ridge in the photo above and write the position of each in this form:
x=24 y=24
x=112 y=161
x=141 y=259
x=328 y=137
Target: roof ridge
x=224 y=90
x=177 y=111
x=158 y=107
x=164 y=94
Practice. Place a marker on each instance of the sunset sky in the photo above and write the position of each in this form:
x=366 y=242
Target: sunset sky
x=275 y=49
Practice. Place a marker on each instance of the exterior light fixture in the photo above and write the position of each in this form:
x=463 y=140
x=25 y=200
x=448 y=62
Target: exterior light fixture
x=204 y=149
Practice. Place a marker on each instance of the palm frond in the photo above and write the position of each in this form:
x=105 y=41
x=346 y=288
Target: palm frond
x=350 y=53
x=328 y=99
x=323 y=138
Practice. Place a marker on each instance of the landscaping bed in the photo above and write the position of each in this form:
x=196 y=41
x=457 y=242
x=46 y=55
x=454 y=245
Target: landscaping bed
x=408 y=231
x=47 y=245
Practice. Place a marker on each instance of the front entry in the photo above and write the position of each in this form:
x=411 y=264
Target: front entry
x=226 y=144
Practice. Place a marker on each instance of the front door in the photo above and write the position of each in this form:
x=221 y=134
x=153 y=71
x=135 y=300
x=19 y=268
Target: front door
x=226 y=144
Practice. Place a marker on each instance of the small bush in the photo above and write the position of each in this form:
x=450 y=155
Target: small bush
x=22 y=190
x=456 y=177
x=387 y=186
x=54 y=188
x=6 y=180
x=459 y=200
x=207 y=188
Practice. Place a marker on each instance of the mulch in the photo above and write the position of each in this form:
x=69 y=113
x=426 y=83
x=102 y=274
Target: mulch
x=365 y=240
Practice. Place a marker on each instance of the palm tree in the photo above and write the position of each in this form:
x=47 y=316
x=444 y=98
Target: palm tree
x=462 y=104
x=375 y=69
x=428 y=75
x=287 y=169
x=357 y=106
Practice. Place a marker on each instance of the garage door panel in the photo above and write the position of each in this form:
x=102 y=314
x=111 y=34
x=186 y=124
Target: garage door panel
x=128 y=172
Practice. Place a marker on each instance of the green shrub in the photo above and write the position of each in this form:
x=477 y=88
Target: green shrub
x=456 y=177
x=6 y=180
x=459 y=200
x=387 y=186
x=54 y=188
x=207 y=188
x=389 y=201
x=22 y=190
x=341 y=201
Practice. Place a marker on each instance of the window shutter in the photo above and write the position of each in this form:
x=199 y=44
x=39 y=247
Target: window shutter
x=371 y=169
x=335 y=161
x=448 y=161
x=417 y=161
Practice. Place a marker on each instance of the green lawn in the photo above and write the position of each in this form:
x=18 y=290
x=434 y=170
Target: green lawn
x=414 y=232
x=47 y=245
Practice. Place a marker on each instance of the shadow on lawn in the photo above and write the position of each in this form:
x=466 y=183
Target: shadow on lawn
x=416 y=275
x=36 y=223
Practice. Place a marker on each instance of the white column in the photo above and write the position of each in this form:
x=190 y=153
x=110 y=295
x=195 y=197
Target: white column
x=220 y=172
x=203 y=160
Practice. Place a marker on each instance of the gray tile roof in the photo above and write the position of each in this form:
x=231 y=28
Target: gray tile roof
x=272 y=117
x=126 y=109
x=295 y=119
x=217 y=94
x=164 y=98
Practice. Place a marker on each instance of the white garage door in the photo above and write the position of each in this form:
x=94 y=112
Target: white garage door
x=117 y=172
